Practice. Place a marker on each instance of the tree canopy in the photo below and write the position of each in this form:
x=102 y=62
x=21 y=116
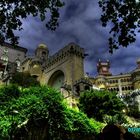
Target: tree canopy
x=13 y=11
x=97 y=104
x=124 y=18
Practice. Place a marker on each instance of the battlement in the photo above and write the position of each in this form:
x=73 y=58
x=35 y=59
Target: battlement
x=68 y=50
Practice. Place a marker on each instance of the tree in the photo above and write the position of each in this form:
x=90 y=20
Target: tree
x=13 y=11
x=24 y=79
x=97 y=104
x=132 y=102
x=124 y=16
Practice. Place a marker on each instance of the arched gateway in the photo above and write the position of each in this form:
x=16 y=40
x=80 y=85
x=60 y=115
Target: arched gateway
x=65 y=66
x=56 y=80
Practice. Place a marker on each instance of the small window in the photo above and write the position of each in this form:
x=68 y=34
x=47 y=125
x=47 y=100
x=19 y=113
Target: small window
x=44 y=53
x=18 y=63
x=77 y=89
x=87 y=87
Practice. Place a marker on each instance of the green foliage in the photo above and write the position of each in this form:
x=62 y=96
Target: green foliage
x=124 y=16
x=116 y=119
x=24 y=80
x=132 y=104
x=96 y=104
x=47 y=105
x=12 y=13
x=134 y=111
x=8 y=92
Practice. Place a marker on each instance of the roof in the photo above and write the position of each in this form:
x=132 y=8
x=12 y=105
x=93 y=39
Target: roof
x=14 y=47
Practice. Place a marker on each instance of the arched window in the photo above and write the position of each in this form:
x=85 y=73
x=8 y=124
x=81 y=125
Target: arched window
x=87 y=87
x=18 y=64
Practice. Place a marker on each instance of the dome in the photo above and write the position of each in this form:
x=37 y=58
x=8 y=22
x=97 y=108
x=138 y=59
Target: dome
x=42 y=46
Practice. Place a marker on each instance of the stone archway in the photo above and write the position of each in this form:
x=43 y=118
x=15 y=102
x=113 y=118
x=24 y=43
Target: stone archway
x=56 y=80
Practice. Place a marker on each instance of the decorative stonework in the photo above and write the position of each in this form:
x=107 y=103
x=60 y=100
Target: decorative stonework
x=68 y=60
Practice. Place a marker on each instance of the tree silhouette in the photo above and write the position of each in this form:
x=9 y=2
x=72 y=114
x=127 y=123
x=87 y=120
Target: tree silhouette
x=124 y=16
x=13 y=11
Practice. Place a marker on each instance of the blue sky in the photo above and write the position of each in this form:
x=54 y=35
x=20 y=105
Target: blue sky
x=80 y=23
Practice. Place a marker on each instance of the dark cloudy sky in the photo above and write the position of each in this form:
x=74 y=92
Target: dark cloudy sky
x=80 y=23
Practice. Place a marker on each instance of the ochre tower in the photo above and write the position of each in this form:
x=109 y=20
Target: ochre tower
x=103 y=72
x=103 y=68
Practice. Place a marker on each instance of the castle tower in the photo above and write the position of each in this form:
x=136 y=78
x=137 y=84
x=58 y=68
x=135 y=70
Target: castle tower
x=42 y=52
x=103 y=68
x=66 y=65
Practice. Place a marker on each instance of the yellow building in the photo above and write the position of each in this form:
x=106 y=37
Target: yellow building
x=121 y=83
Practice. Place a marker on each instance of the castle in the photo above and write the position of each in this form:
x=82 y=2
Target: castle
x=65 y=69
x=121 y=83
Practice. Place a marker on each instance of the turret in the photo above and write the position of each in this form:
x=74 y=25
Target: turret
x=42 y=52
x=103 y=68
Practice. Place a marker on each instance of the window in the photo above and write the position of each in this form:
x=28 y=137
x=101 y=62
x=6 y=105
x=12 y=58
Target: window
x=104 y=68
x=87 y=87
x=18 y=64
x=4 y=58
x=77 y=90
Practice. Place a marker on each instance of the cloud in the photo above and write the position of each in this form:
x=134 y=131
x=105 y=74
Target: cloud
x=80 y=23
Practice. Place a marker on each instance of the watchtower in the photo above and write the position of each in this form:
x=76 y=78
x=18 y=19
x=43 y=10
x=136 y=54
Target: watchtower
x=103 y=68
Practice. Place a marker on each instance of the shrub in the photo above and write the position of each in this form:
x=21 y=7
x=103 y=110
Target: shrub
x=24 y=79
x=96 y=104
x=43 y=112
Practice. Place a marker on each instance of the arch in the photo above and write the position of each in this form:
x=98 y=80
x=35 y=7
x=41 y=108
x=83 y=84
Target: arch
x=125 y=88
x=56 y=80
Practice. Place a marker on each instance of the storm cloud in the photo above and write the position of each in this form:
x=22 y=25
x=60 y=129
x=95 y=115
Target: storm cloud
x=80 y=23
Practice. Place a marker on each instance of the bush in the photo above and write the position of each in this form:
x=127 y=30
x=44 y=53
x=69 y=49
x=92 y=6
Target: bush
x=9 y=92
x=24 y=79
x=42 y=109
x=97 y=104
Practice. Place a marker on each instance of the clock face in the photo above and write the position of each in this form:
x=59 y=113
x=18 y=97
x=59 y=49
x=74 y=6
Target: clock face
x=104 y=68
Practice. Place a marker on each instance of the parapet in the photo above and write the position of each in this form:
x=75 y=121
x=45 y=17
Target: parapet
x=68 y=50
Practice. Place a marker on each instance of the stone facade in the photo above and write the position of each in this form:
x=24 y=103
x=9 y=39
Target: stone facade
x=62 y=70
x=65 y=69
x=9 y=56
